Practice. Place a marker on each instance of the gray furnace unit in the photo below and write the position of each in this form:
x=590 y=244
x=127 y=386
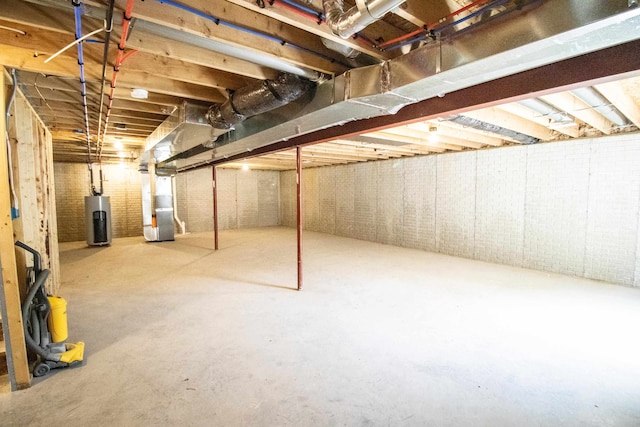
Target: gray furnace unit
x=97 y=211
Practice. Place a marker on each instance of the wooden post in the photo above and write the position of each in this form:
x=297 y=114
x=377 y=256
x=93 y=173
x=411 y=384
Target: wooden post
x=299 y=211
x=12 y=323
x=215 y=206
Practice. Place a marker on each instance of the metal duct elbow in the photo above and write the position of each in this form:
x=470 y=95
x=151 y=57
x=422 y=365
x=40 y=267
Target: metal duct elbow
x=365 y=12
x=257 y=98
x=488 y=127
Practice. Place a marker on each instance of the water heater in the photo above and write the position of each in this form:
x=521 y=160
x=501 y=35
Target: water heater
x=97 y=211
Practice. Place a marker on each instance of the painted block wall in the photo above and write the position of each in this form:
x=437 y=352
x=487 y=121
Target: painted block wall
x=122 y=185
x=246 y=199
x=566 y=207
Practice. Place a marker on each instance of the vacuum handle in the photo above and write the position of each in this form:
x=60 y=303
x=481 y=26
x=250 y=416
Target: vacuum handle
x=37 y=259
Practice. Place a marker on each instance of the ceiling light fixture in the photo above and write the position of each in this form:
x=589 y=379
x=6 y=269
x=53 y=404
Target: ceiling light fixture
x=245 y=167
x=139 y=93
x=118 y=145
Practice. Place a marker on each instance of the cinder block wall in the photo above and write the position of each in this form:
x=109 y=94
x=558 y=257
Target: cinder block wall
x=565 y=207
x=245 y=199
x=122 y=185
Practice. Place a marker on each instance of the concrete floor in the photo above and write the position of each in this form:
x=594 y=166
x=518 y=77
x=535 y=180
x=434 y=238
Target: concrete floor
x=179 y=335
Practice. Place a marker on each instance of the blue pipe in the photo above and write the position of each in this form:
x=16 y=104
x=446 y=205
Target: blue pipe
x=417 y=38
x=83 y=83
x=304 y=8
x=219 y=21
x=216 y=20
x=472 y=15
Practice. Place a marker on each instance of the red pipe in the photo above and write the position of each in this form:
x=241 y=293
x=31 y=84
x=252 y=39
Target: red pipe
x=299 y=211
x=215 y=207
x=126 y=22
x=431 y=26
x=402 y=38
x=459 y=11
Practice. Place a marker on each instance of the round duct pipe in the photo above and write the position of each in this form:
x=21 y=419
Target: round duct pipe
x=257 y=98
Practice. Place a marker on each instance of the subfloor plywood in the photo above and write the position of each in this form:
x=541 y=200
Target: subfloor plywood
x=177 y=334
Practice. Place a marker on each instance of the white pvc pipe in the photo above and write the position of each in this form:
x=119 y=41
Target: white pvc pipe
x=175 y=206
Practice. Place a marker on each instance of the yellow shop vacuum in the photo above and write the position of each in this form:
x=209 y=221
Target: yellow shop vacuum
x=45 y=322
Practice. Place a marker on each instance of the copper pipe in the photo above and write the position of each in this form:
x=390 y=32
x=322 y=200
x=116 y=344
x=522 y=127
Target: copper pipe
x=215 y=206
x=299 y=211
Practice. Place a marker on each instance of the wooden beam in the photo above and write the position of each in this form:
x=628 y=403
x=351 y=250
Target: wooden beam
x=12 y=313
x=291 y=18
x=24 y=59
x=443 y=134
x=48 y=42
x=422 y=13
x=390 y=136
x=501 y=118
x=66 y=65
x=185 y=71
x=579 y=109
x=184 y=21
x=451 y=129
x=42 y=17
x=528 y=114
x=157 y=45
x=166 y=86
x=620 y=94
x=421 y=138
x=408 y=149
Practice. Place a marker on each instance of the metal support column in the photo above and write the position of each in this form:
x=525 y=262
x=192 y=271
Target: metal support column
x=215 y=206
x=299 y=211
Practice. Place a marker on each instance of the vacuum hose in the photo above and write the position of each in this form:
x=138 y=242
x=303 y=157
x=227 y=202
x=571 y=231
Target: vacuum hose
x=41 y=278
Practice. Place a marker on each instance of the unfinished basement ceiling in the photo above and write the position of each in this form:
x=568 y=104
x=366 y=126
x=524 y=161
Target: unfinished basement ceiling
x=201 y=52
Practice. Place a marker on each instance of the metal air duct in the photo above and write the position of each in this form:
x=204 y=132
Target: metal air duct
x=546 y=110
x=546 y=33
x=488 y=127
x=255 y=99
x=601 y=105
x=365 y=12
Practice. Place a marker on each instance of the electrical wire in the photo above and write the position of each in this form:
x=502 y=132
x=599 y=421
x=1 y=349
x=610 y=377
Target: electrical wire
x=35 y=86
x=15 y=30
x=15 y=212
x=73 y=43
